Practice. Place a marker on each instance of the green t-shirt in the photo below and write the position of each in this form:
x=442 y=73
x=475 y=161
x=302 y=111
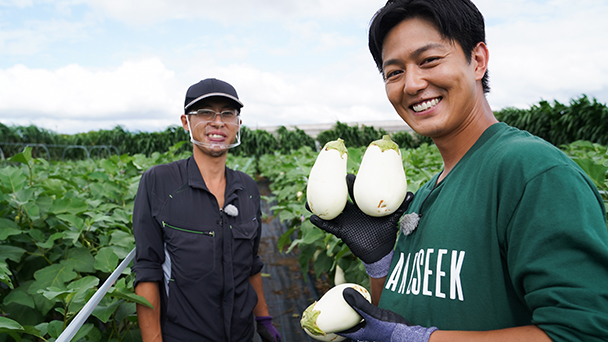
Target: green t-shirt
x=514 y=235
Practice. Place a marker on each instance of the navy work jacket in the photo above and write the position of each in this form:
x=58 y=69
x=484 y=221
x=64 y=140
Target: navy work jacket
x=201 y=256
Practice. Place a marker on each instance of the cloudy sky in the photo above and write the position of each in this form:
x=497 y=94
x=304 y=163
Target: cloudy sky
x=79 y=65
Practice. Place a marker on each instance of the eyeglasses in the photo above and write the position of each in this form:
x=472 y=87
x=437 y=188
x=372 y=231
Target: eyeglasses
x=226 y=116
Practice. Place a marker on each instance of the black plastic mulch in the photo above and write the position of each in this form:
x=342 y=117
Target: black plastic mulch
x=286 y=291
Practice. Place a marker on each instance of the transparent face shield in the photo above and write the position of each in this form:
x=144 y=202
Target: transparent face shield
x=206 y=124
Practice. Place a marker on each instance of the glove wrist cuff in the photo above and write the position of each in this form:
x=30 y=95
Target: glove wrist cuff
x=414 y=333
x=380 y=268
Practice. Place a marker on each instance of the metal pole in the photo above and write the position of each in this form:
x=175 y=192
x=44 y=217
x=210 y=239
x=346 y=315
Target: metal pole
x=86 y=311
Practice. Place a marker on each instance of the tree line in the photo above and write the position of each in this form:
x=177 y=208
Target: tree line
x=560 y=124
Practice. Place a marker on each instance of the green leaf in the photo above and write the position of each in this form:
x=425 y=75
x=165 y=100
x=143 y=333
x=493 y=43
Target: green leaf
x=55 y=275
x=43 y=203
x=123 y=293
x=123 y=239
x=55 y=328
x=7 y=325
x=36 y=234
x=104 y=310
x=42 y=304
x=8 y=228
x=42 y=328
x=596 y=172
x=81 y=260
x=101 y=217
x=52 y=292
x=64 y=179
x=121 y=215
x=75 y=227
x=322 y=264
x=68 y=205
x=285 y=238
x=11 y=252
x=310 y=233
x=24 y=157
x=82 y=286
x=50 y=242
x=5 y=274
x=121 y=252
x=106 y=260
x=127 y=311
x=12 y=178
x=83 y=331
x=133 y=335
x=98 y=176
x=22 y=196
x=19 y=297
x=109 y=166
x=28 y=329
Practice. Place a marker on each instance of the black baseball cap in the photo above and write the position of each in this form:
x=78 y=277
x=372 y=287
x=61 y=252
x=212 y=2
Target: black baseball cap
x=211 y=87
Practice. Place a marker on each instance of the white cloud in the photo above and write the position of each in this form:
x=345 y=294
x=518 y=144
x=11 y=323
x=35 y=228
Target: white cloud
x=343 y=92
x=36 y=35
x=553 y=52
x=137 y=90
x=153 y=11
x=292 y=62
x=16 y=3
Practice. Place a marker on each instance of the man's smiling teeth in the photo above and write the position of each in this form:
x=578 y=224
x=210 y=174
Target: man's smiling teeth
x=217 y=136
x=425 y=105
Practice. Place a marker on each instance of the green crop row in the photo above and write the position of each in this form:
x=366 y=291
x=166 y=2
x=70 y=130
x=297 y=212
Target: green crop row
x=65 y=226
x=322 y=251
x=562 y=124
x=582 y=119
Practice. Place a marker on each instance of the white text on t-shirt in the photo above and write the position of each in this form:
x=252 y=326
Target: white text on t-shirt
x=415 y=279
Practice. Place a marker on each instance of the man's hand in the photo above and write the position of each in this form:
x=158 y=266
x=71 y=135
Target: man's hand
x=266 y=330
x=380 y=324
x=369 y=238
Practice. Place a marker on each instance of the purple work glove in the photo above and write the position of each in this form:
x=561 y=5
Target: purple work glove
x=369 y=238
x=266 y=330
x=380 y=324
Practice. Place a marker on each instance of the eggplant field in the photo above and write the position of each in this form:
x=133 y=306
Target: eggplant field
x=66 y=226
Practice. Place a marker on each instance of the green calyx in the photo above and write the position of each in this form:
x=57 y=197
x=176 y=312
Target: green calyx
x=309 y=320
x=336 y=145
x=386 y=144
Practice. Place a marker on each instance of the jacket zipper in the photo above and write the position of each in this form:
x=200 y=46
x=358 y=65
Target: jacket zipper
x=210 y=233
x=223 y=275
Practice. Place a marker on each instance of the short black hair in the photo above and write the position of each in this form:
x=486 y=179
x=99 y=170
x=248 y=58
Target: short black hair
x=456 y=20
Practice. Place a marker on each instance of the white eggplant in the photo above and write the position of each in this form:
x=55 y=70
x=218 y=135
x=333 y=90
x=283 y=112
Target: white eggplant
x=326 y=190
x=380 y=186
x=332 y=314
x=339 y=276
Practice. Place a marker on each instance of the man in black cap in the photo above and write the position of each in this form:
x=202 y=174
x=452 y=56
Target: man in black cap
x=197 y=230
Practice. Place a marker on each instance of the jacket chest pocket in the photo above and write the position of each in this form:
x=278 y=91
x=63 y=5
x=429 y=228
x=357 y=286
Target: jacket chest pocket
x=244 y=235
x=191 y=249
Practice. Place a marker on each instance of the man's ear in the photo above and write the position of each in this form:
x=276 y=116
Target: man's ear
x=480 y=57
x=184 y=122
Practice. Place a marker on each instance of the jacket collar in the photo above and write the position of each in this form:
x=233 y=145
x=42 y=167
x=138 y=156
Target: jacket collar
x=195 y=179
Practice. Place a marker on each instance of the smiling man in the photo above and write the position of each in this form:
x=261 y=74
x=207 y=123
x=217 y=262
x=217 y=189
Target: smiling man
x=197 y=227
x=509 y=241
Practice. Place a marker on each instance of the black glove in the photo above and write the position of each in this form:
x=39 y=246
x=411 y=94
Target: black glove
x=369 y=238
x=380 y=324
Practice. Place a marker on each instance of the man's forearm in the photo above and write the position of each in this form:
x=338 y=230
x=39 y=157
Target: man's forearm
x=149 y=318
x=261 y=309
x=530 y=333
x=520 y=334
x=376 y=285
